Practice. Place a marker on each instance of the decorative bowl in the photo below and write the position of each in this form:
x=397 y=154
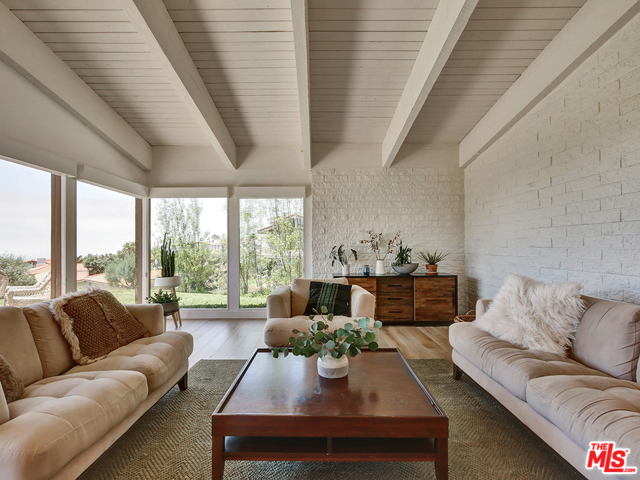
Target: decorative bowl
x=406 y=268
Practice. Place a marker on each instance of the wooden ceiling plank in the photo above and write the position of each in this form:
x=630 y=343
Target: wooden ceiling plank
x=449 y=21
x=591 y=27
x=154 y=23
x=21 y=49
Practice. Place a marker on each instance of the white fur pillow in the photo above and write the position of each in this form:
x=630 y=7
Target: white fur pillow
x=535 y=315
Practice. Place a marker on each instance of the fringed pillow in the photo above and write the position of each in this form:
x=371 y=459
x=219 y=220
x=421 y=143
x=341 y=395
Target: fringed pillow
x=94 y=323
x=11 y=383
x=535 y=315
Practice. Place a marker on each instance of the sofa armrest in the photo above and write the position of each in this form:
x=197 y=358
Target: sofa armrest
x=482 y=306
x=363 y=303
x=151 y=316
x=279 y=303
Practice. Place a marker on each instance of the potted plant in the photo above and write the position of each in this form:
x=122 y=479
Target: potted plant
x=332 y=346
x=432 y=260
x=381 y=247
x=403 y=264
x=168 y=279
x=168 y=301
x=343 y=255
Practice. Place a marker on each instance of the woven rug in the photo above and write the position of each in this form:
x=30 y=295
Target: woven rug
x=173 y=439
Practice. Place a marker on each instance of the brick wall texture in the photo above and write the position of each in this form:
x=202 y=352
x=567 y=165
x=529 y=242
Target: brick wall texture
x=557 y=198
x=427 y=205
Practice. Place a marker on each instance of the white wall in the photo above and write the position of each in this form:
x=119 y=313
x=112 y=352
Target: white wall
x=35 y=129
x=557 y=198
x=426 y=204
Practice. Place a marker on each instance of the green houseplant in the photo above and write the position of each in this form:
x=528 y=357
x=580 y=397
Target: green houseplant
x=432 y=260
x=342 y=255
x=403 y=264
x=333 y=346
x=168 y=301
x=168 y=279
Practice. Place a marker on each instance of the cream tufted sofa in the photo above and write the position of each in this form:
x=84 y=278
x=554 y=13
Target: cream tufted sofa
x=286 y=305
x=70 y=414
x=593 y=395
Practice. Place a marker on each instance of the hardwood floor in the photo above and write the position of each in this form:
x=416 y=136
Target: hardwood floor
x=238 y=338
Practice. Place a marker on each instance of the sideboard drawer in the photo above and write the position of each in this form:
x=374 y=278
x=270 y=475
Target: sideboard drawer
x=391 y=285
x=397 y=313
x=369 y=284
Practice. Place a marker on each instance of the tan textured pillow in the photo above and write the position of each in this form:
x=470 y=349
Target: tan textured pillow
x=11 y=383
x=95 y=323
x=5 y=416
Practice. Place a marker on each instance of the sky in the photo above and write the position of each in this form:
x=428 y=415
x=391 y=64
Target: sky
x=106 y=219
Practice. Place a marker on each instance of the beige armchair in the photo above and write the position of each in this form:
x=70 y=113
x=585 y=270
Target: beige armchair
x=23 y=296
x=286 y=305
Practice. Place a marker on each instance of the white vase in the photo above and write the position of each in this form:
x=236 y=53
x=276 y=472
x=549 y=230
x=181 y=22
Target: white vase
x=380 y=267
x=167 y=283
x=346 y=269
x=329 y=367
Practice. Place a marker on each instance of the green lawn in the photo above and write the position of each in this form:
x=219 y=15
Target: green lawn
x=194 y=300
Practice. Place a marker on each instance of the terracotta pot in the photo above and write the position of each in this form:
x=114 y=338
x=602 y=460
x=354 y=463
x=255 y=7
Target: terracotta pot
x=432 y=269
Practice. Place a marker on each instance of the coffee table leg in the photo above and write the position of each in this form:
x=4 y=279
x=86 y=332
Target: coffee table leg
x=442 y=460
x=217 y=459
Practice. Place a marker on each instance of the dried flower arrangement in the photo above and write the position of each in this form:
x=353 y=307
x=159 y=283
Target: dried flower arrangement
x=380 y=245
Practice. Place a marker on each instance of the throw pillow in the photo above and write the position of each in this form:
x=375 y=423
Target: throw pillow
x=535 y=315
x=334 y=296
x=94 y=323
x=5 y=416
x=11 y=383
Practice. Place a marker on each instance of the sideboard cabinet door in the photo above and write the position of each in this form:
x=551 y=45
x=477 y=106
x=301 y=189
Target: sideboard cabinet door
x=435 y=299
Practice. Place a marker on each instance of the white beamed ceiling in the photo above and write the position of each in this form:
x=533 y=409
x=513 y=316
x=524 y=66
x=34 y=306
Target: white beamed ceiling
x=361 y=53
x=500 y=41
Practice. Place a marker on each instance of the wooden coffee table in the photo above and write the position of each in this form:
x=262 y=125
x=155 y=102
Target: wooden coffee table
x=281 y=410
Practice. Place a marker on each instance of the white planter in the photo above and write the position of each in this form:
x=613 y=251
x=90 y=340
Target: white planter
x=346 y=269
x=380 y=267
x=329 y=367
x=167 y=283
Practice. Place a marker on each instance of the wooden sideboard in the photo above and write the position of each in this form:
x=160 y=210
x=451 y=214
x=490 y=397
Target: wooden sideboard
x=413 y=298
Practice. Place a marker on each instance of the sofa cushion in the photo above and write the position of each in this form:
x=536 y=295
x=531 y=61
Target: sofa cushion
x=589 y=409
x=59 y=417
x=158 y=358
x=4 y=408
x=277 y=331
x=95 y=323
x=300 y=292
x=510 y=366
x=608 y=338
x=17 y=345
x=53 y=349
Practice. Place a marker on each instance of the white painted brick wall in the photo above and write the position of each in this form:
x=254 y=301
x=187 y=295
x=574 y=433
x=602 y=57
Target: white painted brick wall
x=557 y=198
x=427 y=205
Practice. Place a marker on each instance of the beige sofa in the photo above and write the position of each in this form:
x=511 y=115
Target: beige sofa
x=568 y=402
x=286 y=305
x=70 y=414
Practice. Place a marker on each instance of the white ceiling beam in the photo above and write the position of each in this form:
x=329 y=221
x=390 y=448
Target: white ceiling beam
x=23 y=51
x=447 y=25
x=595 y=23
x=300 y=17
x=154 y=23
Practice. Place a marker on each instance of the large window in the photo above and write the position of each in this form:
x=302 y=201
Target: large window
x=106 y=225
x=197 y=228
x=25 y=235
x=271 y=247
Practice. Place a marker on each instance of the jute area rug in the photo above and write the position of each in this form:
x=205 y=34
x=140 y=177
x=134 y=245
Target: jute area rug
x=173 y=439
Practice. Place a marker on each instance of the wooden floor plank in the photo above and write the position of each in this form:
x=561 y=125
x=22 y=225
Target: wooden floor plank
x=238 y=338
